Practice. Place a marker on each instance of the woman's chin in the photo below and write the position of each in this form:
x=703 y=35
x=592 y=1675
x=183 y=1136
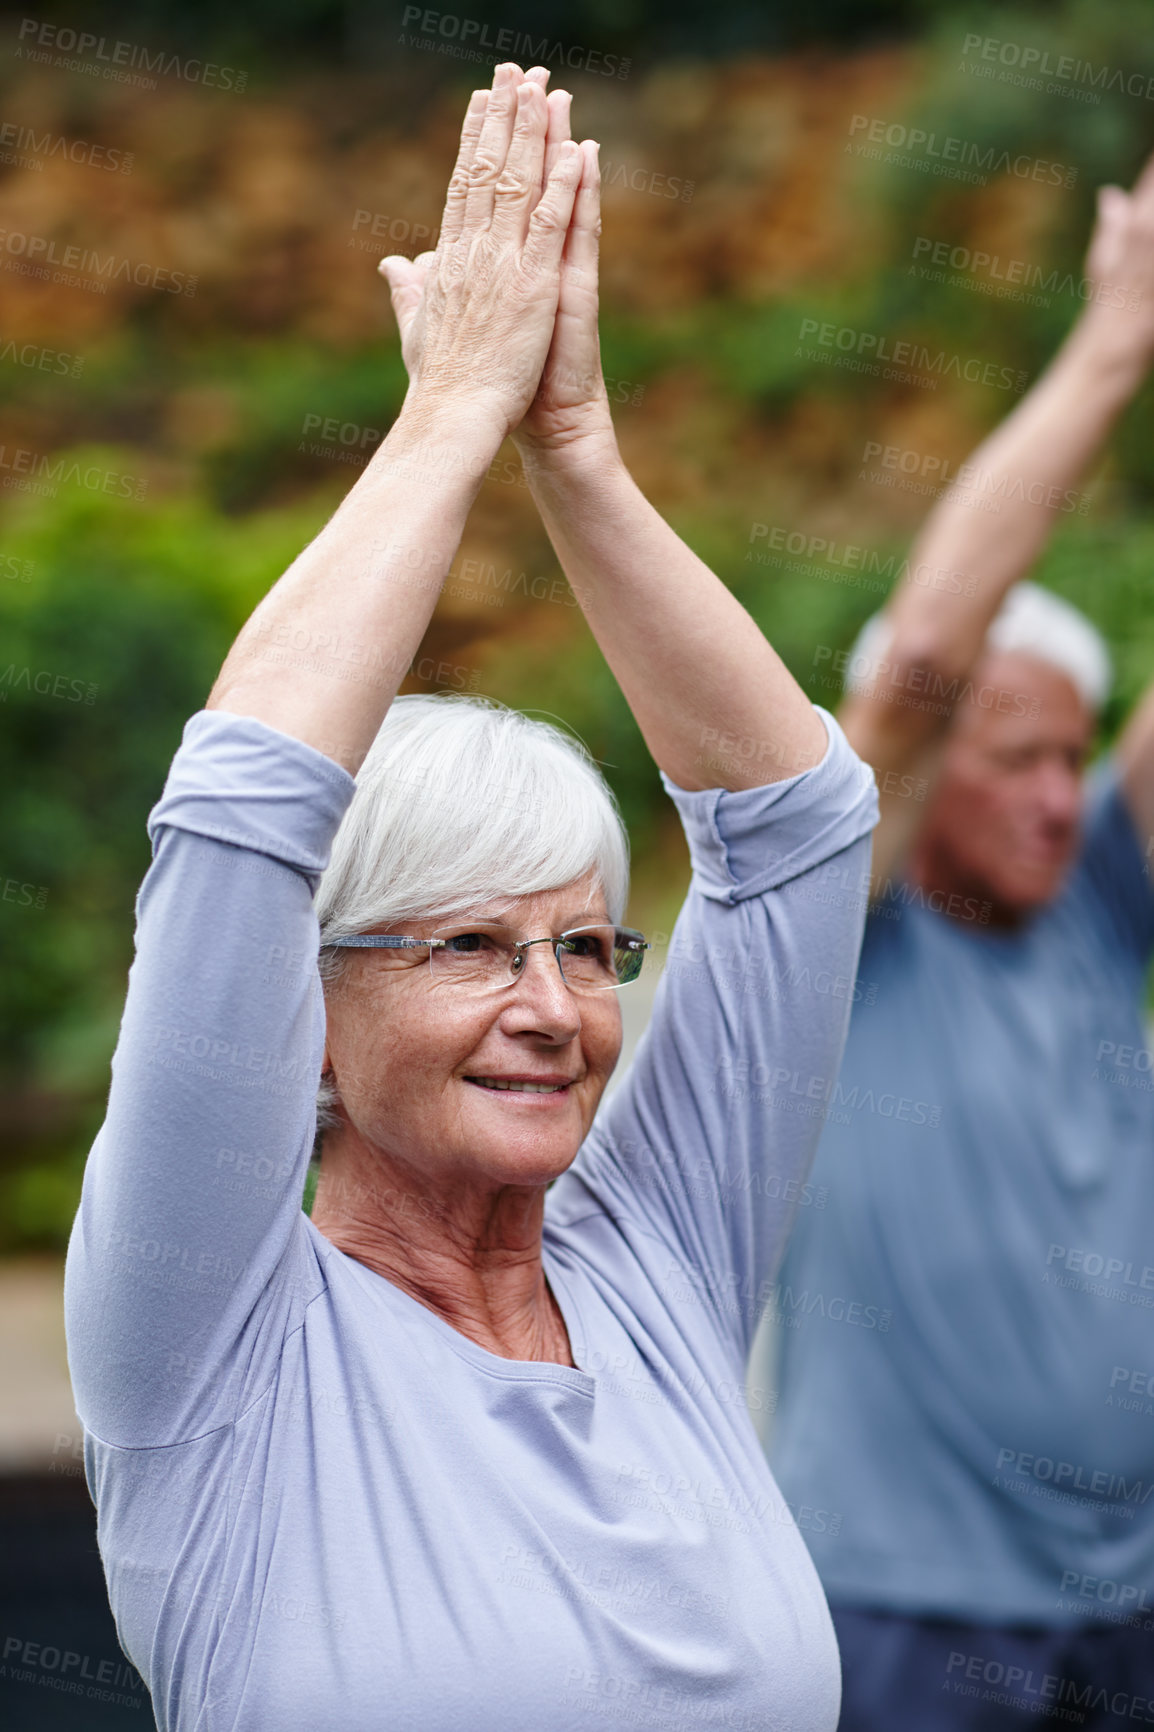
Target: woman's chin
x=526 y=1155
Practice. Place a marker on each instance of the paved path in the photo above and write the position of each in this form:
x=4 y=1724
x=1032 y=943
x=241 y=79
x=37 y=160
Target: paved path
x=38 y=1424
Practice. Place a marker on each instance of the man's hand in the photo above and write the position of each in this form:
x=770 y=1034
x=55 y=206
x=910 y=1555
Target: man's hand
x=1120 y=262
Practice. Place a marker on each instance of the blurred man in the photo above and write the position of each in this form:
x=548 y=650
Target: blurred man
x=966 y=1313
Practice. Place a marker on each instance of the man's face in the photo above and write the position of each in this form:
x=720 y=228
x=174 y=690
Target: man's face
x=1005 y=819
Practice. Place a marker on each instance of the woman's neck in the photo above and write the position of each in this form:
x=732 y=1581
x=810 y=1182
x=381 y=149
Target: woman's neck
x=472 y=1257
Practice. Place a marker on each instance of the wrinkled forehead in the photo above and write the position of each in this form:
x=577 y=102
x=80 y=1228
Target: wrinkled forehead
x=1014 y=698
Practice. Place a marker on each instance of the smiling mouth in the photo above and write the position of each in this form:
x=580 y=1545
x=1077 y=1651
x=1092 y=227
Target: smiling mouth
x=529 y=1088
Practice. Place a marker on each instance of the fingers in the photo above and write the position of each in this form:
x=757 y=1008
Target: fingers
x=453 y=219
x=582 y=241
x=517 y=189
x=559 y=105
x=492 y=146
x=549 y=223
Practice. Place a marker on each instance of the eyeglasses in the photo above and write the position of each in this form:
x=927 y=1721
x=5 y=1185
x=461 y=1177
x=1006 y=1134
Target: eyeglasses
x=485 y=957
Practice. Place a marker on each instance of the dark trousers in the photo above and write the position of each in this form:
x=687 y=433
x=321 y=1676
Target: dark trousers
x=904 y=1674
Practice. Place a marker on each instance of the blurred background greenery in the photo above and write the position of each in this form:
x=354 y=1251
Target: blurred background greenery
x=213 y=409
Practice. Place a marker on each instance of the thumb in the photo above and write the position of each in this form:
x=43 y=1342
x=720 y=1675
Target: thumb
x=1107 y=238
x=1112 y=201
x=406 y=280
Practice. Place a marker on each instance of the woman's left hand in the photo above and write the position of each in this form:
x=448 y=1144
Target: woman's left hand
x=571 y=400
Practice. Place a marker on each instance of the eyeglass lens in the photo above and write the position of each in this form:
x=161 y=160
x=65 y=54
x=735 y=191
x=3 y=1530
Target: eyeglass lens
x=485 y=956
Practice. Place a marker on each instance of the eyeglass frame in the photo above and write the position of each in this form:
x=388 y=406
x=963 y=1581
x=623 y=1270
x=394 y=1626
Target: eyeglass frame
x=396 y=941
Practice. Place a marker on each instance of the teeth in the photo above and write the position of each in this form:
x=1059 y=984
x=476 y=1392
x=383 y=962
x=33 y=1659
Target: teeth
x=489 y=1082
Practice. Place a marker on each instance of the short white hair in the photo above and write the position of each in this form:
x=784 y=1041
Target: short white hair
x=1031 y=621
x=462 y=801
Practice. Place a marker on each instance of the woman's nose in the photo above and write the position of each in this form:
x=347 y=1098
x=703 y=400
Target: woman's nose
x=539 y=985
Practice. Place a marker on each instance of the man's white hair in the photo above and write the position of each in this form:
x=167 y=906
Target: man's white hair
x=1031 y=621
x=461 y=801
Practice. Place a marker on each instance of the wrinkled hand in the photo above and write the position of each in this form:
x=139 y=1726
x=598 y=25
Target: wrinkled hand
x=570 y=399
x=1120 y=259
x=477 y=315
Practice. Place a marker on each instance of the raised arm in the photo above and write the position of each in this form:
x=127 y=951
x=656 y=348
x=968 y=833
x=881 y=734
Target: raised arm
x=717 y=706
x=369 y=581
x=189 y=1262
x=1135 y=753
x=965 y=560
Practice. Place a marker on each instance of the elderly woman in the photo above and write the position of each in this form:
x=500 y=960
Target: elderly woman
x=468 y=1449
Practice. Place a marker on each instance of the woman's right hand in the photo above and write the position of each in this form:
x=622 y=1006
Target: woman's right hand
x=476 y=316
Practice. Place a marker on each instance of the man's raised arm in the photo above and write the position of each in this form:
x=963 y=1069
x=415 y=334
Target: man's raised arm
x=965 y=560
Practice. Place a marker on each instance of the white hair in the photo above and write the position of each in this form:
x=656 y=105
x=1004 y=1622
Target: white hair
x=1031 y=621
x=461 y=801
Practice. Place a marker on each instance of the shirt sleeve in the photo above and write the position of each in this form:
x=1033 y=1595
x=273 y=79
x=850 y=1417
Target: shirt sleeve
x=189 y=1261
x=1112 y=867
x=707 y=1143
